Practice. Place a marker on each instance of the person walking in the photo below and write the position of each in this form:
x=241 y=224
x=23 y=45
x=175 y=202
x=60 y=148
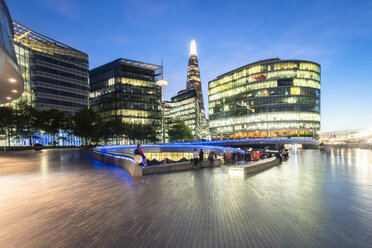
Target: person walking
x=201 y=157
x=211 y=157
x=195 y=155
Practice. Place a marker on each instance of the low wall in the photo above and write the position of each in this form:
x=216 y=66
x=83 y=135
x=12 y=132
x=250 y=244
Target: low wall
x=182 y=166
x=129 y=164
x=255 y=166
x=126 y=162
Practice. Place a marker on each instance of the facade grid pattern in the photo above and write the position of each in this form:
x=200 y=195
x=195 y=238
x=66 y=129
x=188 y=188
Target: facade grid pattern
x=185 y=107
x=266 y=99
x=58 y=74
x=126 y=89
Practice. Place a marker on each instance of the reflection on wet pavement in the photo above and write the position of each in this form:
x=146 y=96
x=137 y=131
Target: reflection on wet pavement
x=63 y=198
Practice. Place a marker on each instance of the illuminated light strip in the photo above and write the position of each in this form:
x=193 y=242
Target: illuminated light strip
x=115 y=155
x=250 y=141
x=103 y=149
x=203 y=145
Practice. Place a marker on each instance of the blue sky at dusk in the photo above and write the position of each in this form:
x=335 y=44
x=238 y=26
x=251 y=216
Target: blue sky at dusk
x=229 y=34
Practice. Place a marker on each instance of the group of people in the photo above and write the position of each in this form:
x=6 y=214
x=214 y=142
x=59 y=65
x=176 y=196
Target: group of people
x=198 y=158
x=233 y=158
x=282 y=154
x=250 y=155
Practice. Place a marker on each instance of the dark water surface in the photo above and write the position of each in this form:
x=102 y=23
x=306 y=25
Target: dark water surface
x=62 y=198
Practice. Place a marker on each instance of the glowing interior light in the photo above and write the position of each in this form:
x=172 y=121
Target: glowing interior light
x=193 y=48
x=15 y=91
x=9 y=98
x=162 y=83
x=12 y=80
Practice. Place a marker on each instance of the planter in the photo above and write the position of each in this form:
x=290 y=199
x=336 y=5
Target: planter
x=38 y=147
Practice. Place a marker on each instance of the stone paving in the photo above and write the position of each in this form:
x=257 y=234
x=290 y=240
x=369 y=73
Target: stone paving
x=62 y=198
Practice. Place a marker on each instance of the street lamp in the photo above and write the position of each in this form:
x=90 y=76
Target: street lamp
x=162 y=83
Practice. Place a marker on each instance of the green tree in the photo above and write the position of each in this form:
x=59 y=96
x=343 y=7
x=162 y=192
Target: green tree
x=150 y=133
x=141 y=132
x=97 y=135
x=26 y=120
x=112 y=129
x=51 y=122
x=85 y=124
x=133 y=131
x=178 y=131
x=68 y=126
x=7 y=122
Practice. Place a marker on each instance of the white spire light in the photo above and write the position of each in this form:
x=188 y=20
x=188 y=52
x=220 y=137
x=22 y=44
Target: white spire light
x=193 y=48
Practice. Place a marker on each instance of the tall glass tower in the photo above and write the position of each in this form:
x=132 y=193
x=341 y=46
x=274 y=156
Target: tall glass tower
x=194 y=83
x=193 y=74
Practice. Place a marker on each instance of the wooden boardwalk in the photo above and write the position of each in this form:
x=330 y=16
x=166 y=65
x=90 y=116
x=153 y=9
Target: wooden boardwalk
x=62 y=198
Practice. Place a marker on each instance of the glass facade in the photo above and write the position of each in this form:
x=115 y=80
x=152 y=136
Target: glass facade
x=6 y=31
x=56 y=74
x=24 y=64
x=270 y=98
x=126 y=89
x=194 y=83
x=11 y=81
x=185 y=107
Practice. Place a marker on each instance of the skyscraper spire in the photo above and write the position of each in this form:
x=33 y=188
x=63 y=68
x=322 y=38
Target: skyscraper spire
x=193 y=48
x=194 y=82
x=193 y=74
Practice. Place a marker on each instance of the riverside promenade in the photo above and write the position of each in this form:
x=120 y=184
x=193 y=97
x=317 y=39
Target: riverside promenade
x=64 y=198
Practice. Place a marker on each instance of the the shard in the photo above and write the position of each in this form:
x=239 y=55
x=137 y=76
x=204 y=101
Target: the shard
x=193 y=74
x=194 y=82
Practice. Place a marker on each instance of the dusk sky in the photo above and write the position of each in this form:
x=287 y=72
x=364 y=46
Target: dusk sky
x=229 y=34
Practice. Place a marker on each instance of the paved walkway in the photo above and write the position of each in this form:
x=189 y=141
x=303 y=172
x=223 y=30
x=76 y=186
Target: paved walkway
x=65 y=199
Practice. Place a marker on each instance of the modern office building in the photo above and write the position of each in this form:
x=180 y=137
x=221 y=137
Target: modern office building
x=185 y=106
x=269 y=98
x=126 y=89
x=56 y=75
x=194 y=82
x=11 y=81
x=167 y=108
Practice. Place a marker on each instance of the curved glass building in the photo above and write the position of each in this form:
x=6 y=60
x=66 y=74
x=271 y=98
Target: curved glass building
x=11 y=81
x=267 y=99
